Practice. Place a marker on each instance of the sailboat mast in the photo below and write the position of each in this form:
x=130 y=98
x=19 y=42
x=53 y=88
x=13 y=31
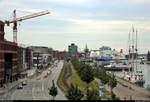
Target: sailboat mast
x=129 y=49
x=136 y=49
x=132 y=65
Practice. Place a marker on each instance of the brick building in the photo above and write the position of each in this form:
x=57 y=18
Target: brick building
x=8 y=58
x=62 y=54
x=55 y=54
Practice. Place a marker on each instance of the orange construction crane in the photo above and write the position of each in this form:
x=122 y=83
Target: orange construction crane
x=15 y=20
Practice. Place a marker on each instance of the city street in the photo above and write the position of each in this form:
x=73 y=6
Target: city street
x=37 y=88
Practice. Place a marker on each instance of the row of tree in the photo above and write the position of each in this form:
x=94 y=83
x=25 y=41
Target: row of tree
x=84 y=71
x=74 y=93
x=106 y=79
x=87 y=74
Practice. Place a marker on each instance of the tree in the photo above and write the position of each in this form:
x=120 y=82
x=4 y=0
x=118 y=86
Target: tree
x=102 y=75
x=87 y=74
x=53 y=90
x=112 y=82
x=84 y=71
x=92 y=94
x=74 y=93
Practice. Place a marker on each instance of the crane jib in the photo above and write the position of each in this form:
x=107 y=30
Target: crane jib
x=28 y=17
x=15 y=20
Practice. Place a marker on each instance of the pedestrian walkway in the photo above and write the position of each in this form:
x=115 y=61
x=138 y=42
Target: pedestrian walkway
x=10 y=86
x=126 y=90
x=31 y=72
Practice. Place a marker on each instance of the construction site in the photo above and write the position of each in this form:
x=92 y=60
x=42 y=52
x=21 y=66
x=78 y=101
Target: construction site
x=8 y=58
x=14 y=59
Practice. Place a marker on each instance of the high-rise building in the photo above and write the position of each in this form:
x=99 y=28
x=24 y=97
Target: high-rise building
x=72 y=50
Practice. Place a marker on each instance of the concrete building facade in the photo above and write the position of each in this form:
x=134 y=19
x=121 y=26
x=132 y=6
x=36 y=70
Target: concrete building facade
x=28 y=59
x=41 y=55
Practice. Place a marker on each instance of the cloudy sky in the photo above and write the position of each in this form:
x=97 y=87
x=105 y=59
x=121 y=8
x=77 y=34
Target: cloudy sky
x=92 y=22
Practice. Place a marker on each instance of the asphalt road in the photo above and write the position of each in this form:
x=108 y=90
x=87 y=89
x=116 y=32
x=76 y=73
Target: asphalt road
x=37 y=88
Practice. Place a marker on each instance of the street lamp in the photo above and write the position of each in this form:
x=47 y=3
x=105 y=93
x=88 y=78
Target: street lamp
x=38 y=60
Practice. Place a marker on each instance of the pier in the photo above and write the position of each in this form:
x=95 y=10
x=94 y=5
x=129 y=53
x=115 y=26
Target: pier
x=118 y=68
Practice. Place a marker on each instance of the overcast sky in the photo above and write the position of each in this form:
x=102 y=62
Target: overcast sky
x=92 y=22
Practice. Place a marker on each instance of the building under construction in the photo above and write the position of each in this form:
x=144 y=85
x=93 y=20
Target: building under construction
x=8 y=58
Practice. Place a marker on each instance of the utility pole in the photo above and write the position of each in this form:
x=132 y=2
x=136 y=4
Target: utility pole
x=38 y=60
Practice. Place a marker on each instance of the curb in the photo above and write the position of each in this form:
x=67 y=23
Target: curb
x=11 y=87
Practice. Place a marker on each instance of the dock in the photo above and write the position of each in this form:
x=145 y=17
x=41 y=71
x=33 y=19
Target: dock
x=118 y=68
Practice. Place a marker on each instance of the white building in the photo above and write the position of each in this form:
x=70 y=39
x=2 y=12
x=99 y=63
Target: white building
x=106 y=51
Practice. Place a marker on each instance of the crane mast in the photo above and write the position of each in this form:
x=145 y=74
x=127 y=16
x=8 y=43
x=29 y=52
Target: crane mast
x=15 y=20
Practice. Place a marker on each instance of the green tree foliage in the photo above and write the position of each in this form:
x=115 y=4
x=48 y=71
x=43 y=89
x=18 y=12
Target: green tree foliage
x=84 y=71
x=53 y=90
x=102 y=75
x=86 y=74
x=112 y=82
x=148 y=56
x=74 y=93
x=92 y=94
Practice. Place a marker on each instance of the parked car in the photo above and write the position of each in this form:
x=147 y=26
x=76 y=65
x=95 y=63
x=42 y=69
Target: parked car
x=24 y=82
x=20 y=86
x=37 y=70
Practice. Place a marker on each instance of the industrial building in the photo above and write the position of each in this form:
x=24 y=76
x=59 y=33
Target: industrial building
x=8 y=58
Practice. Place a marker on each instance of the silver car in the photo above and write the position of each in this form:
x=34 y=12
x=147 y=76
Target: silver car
x=20 y=86
x=24 y=82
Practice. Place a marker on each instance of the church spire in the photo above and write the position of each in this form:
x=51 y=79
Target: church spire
x=86 y=48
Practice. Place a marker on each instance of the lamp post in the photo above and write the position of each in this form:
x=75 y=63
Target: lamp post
x=38 y=60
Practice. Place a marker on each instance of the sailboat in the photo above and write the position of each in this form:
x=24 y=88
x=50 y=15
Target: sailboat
x=136 y=75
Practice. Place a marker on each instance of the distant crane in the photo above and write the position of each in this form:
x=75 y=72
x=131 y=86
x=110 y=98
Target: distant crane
x=15 y=20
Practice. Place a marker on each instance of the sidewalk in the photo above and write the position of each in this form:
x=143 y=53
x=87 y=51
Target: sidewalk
x=10 y=86
x=31 y=72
